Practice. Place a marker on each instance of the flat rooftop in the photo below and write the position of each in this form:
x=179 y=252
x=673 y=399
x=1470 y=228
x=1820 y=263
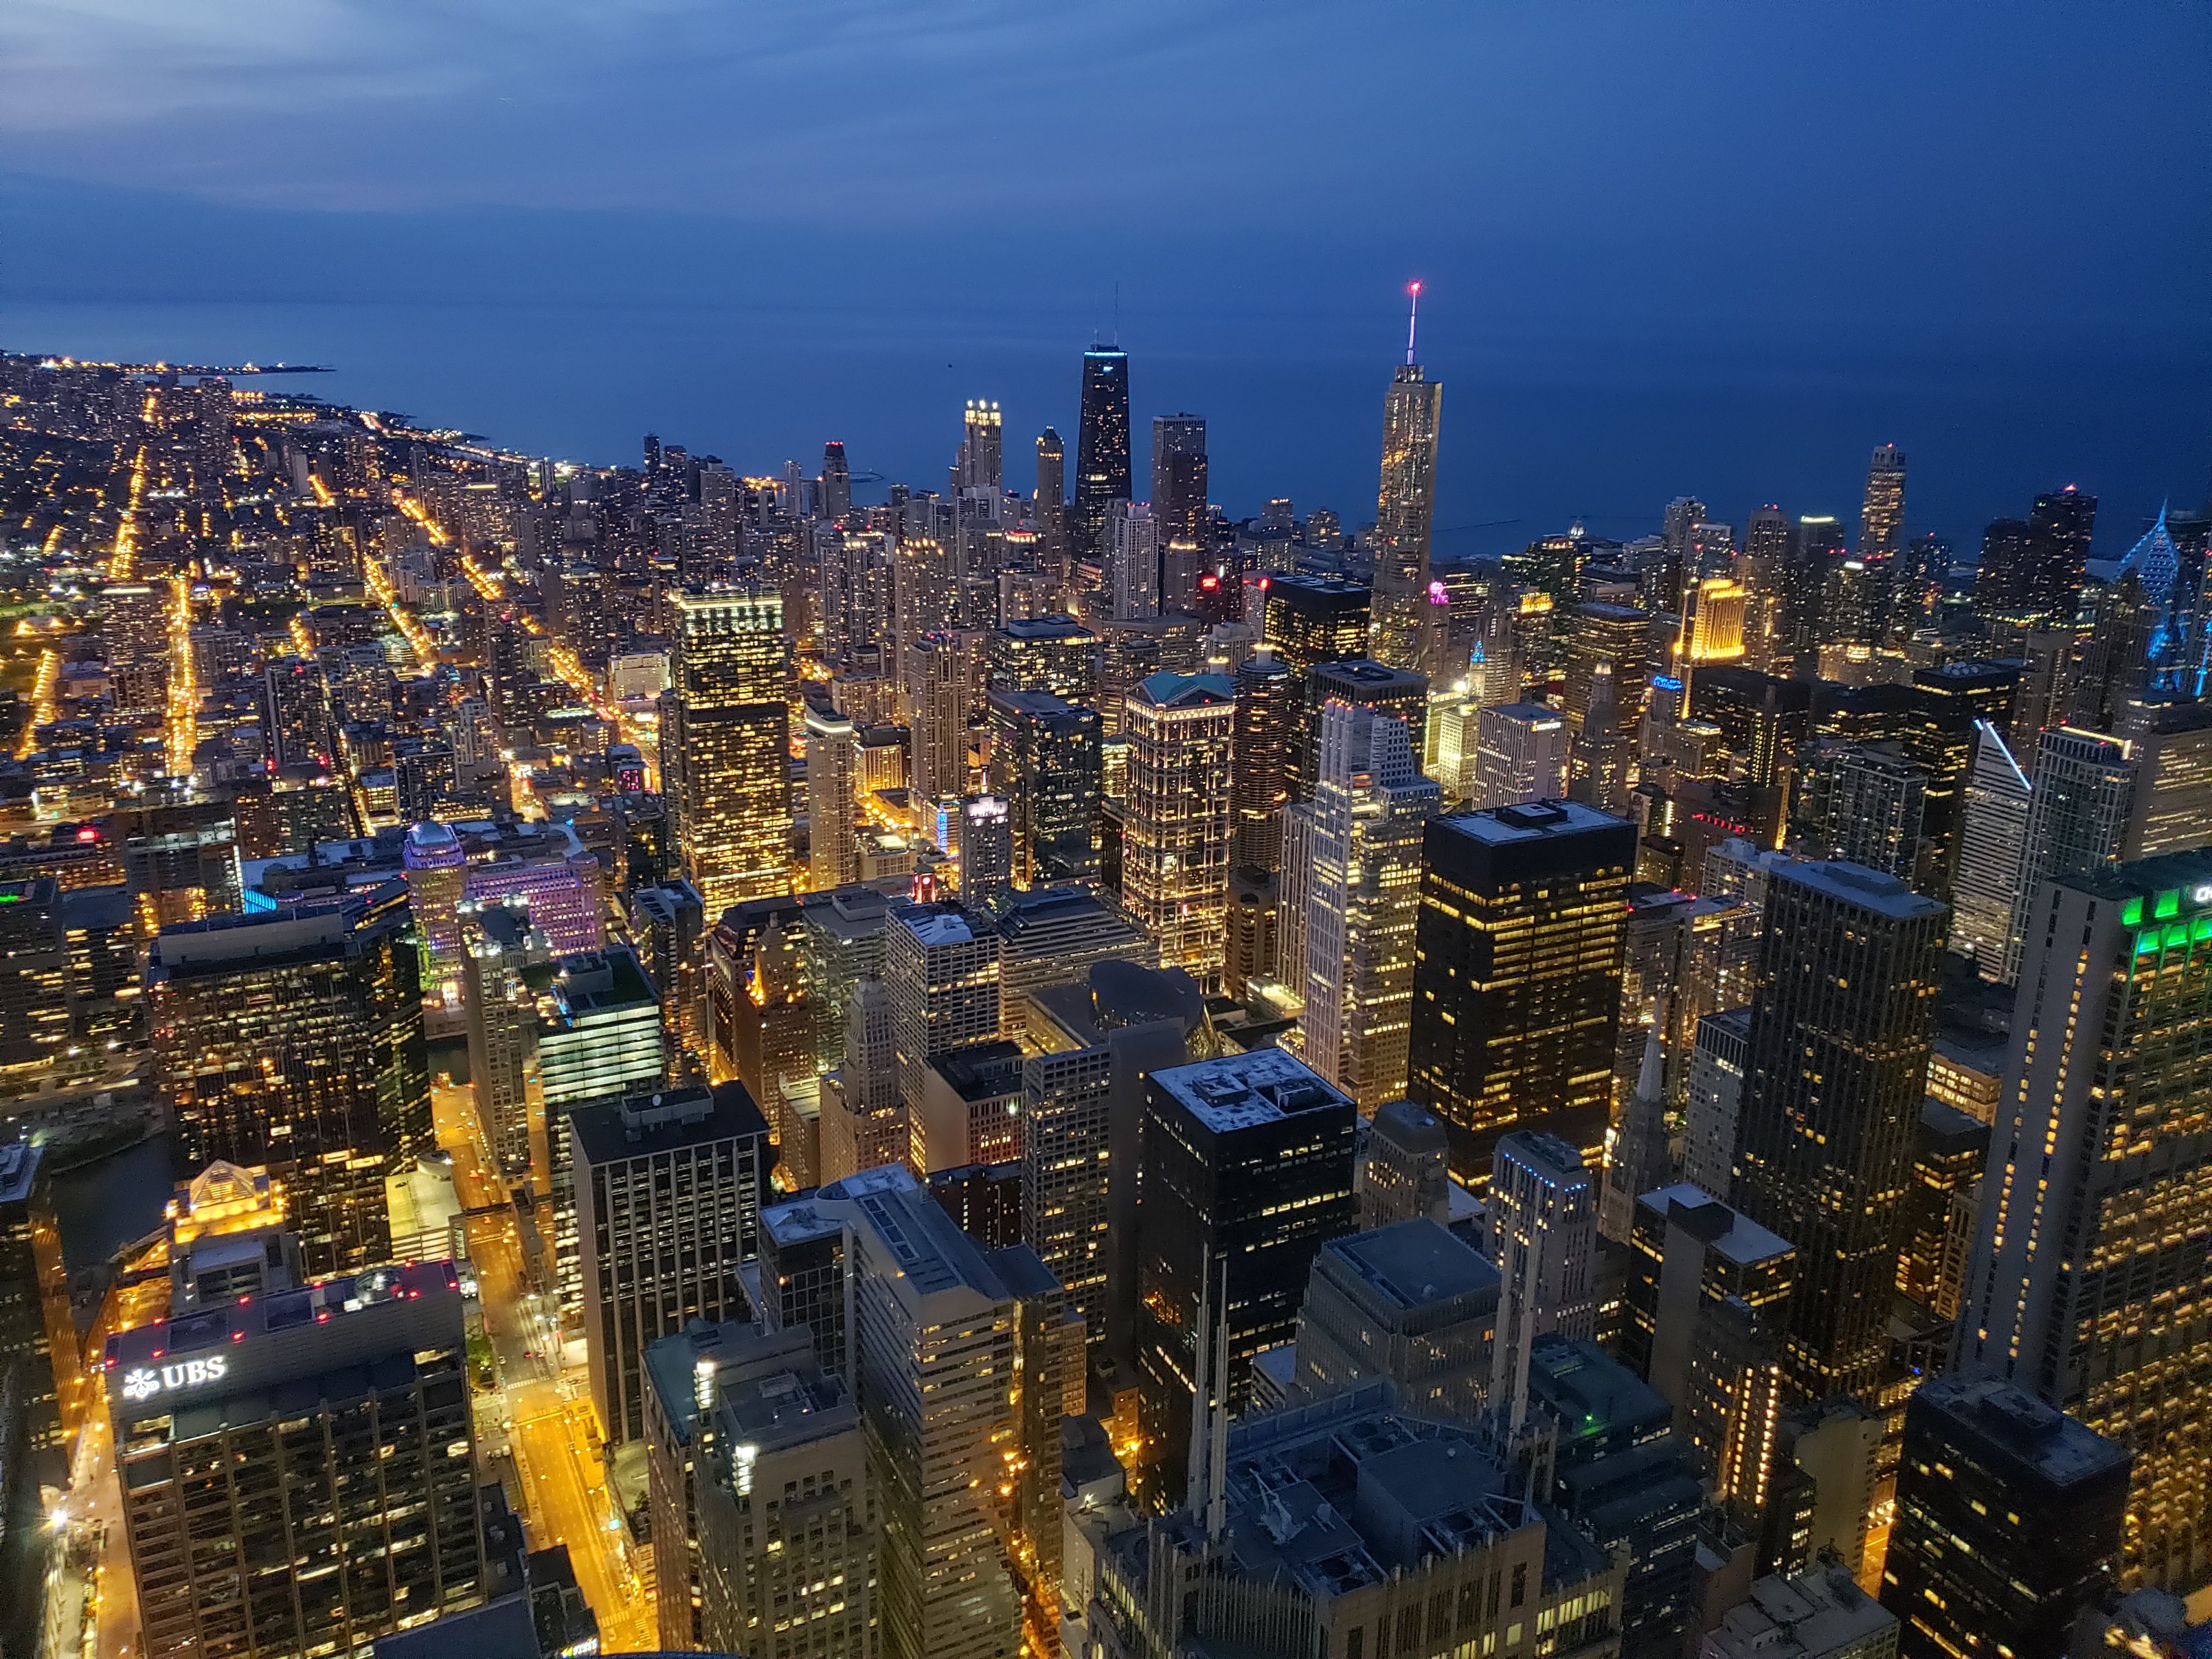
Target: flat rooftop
x=1242 y=1091
x=1415 y=1263
x=1856 y=884
x=1508 y=826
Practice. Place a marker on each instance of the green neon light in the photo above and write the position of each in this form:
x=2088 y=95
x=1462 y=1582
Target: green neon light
x=2169 y=903
x=2131 y=913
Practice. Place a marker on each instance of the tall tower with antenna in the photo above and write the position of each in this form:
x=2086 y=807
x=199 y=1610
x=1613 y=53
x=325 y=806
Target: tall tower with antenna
x=1406 y=505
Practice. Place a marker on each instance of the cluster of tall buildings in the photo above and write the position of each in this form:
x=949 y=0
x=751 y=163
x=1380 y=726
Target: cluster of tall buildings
x=992 y=1072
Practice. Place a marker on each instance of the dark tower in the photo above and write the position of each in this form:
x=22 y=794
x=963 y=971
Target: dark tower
x=1179 y=476
x=1102 y=446
x=1051 y=501
x=836 y=482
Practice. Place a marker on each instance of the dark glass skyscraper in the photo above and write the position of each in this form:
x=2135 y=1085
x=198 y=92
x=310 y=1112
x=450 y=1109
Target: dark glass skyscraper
x=1052 y=500
x=1179 y=476
x=1516 y=975
x=1834 y=1076
x=1405 y=510
x=1102 y=446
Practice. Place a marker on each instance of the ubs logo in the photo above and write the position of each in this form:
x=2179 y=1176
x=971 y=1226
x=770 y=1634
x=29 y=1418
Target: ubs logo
x=145 y=1381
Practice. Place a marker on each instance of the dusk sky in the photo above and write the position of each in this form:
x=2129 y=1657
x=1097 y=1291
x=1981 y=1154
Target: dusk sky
x=1711 y=249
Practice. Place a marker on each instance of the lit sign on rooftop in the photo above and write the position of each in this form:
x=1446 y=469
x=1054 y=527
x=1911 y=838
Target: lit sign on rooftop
x=146 y=1380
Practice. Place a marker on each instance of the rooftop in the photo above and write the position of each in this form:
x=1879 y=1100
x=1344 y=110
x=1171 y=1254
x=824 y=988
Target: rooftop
x=1855 y=884
x=1819 y=1610
x=665 y=1120
x=1242 y=1091
x=2015 y=1424
x=1501 y=826
x=1415 y=1264
x=1734 y=1234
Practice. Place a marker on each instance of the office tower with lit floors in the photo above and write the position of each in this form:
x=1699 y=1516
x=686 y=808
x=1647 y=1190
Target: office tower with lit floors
x=294 y=1039
x=1360 y=889
x=2010 y=1516
x=1102 y=448
x=1517 y=975
x=725 y=752
x=1048 y=760
x=833 y=765
x=941 y=978
x=297 y=1455
x=783 y=1520
x=2098 y=1156
x=42 y=1385
x=1051 y=504
x=1405 y=510
x=1521 y=755
x=1992 y=839
x=1542 y=1234
x=2080 y=801
x=1835 y=1071
x=1247 y=1167
x=1177 y=815
x=668 y=1199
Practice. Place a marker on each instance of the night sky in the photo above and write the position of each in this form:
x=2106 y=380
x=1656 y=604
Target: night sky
x=1668 y=248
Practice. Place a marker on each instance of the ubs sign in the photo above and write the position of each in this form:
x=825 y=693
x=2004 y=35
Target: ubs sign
x=146 y=1380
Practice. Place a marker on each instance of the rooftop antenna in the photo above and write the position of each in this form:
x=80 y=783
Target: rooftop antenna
x=1413 y=316
x=1117 y=312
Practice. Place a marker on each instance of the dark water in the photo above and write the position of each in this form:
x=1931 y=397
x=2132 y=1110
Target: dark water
x=115 y=1201
x=1537 y=429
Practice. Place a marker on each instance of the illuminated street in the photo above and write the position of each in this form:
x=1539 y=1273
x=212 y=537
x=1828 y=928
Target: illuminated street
x=564 y=1494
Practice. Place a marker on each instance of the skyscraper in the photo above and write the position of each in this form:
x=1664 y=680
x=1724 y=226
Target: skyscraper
x=1101 y=447
x=979 y=465
x=1836 y=1068
x=987 y=852
x=2010 y=1519
x=725 y=752
x=1405 y=510
x=1131 y=549
x=293 y=1040
x=1362 y=893
x=2097 y=1159
x=941 y=692
x=1865 y=803
x=1266 y=710
x=1516 y=975
x=2081 y=800
x=242 y=1456
x=1310 y=620
x=941 y=975
x=1179 y=478
x=668 y=1201
x=1993 y=836
x=1248 y=1172
x=1881 y=511
x=836 y=482
x=1542 y=1233
x=1177 y=815
x=1521 y=755
x=833 y=765
x=1051 y=505
x=1047 y=760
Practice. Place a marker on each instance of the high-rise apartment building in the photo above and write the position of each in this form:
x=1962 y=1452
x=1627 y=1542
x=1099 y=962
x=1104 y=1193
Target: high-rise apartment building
x=725 y=752
x=833 y=765
x=2081 y=800
x=1836 y=1067
x=2096 y=1159
x=2009 y=1521
x=293 y=1040
x=1521 y=755
x=1101 y=447
x=1361 y=888
x=2172 y=753
x=297 y=1455
x=1542 y=1234
x=668 y=1201
x=1405 y=511
x=1864 y=803
x=1054 y=653
x=1177 y=815
x=1248 y=1172
x=499 y=946
x=1516 y=975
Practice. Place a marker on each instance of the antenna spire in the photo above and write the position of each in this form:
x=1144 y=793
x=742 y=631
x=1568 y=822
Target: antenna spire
x=1412 y=317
